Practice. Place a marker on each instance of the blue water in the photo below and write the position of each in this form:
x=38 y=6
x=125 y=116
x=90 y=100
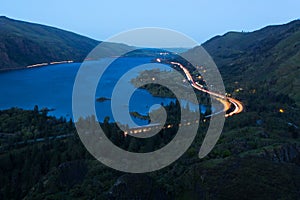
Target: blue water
x=52 y=86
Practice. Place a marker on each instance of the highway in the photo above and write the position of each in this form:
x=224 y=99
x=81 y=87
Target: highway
x=238 y=106
x=227 y=103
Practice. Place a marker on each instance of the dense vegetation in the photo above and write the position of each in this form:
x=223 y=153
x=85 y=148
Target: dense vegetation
x=254 y=146
x=38 y=145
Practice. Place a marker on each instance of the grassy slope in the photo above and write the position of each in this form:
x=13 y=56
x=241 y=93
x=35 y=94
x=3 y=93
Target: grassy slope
x=23 y=43
x=270 y=56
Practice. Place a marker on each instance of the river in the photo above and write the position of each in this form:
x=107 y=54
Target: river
x=51 y=86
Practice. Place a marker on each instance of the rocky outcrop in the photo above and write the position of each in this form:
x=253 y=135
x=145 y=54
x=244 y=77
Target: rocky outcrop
x=287 y=153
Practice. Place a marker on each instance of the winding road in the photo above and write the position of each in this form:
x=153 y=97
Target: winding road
x=238 y=106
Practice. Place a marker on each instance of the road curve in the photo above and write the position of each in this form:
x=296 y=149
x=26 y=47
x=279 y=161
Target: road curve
x=238 y=106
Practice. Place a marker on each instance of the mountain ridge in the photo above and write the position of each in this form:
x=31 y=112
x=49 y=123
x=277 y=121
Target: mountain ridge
x=268 y=57
x=24 y=43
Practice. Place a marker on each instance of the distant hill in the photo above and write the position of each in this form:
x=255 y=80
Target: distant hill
x=269 y=57
x=23 y=44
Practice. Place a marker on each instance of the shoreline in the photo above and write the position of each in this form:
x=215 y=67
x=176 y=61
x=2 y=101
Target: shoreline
x=45 y=64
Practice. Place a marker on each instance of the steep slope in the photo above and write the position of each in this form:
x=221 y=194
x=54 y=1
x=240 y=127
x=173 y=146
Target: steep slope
x=269 y=57
x=23 y=43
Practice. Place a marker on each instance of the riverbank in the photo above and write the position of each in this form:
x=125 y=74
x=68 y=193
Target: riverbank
x=45 y=64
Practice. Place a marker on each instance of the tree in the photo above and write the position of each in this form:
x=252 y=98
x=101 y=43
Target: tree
x=36 y=110
x=133 y=146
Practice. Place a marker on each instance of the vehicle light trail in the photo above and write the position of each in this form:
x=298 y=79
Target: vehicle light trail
x=238 y=106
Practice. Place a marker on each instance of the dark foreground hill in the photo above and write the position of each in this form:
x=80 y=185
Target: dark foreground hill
x=23 y=44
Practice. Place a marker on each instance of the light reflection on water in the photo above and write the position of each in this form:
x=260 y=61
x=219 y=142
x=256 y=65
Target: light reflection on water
x=52 y=86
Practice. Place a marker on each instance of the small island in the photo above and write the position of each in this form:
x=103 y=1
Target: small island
x=140 y=116
x=102 y=99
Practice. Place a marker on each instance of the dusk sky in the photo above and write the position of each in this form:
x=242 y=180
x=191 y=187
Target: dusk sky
x=199 y=19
